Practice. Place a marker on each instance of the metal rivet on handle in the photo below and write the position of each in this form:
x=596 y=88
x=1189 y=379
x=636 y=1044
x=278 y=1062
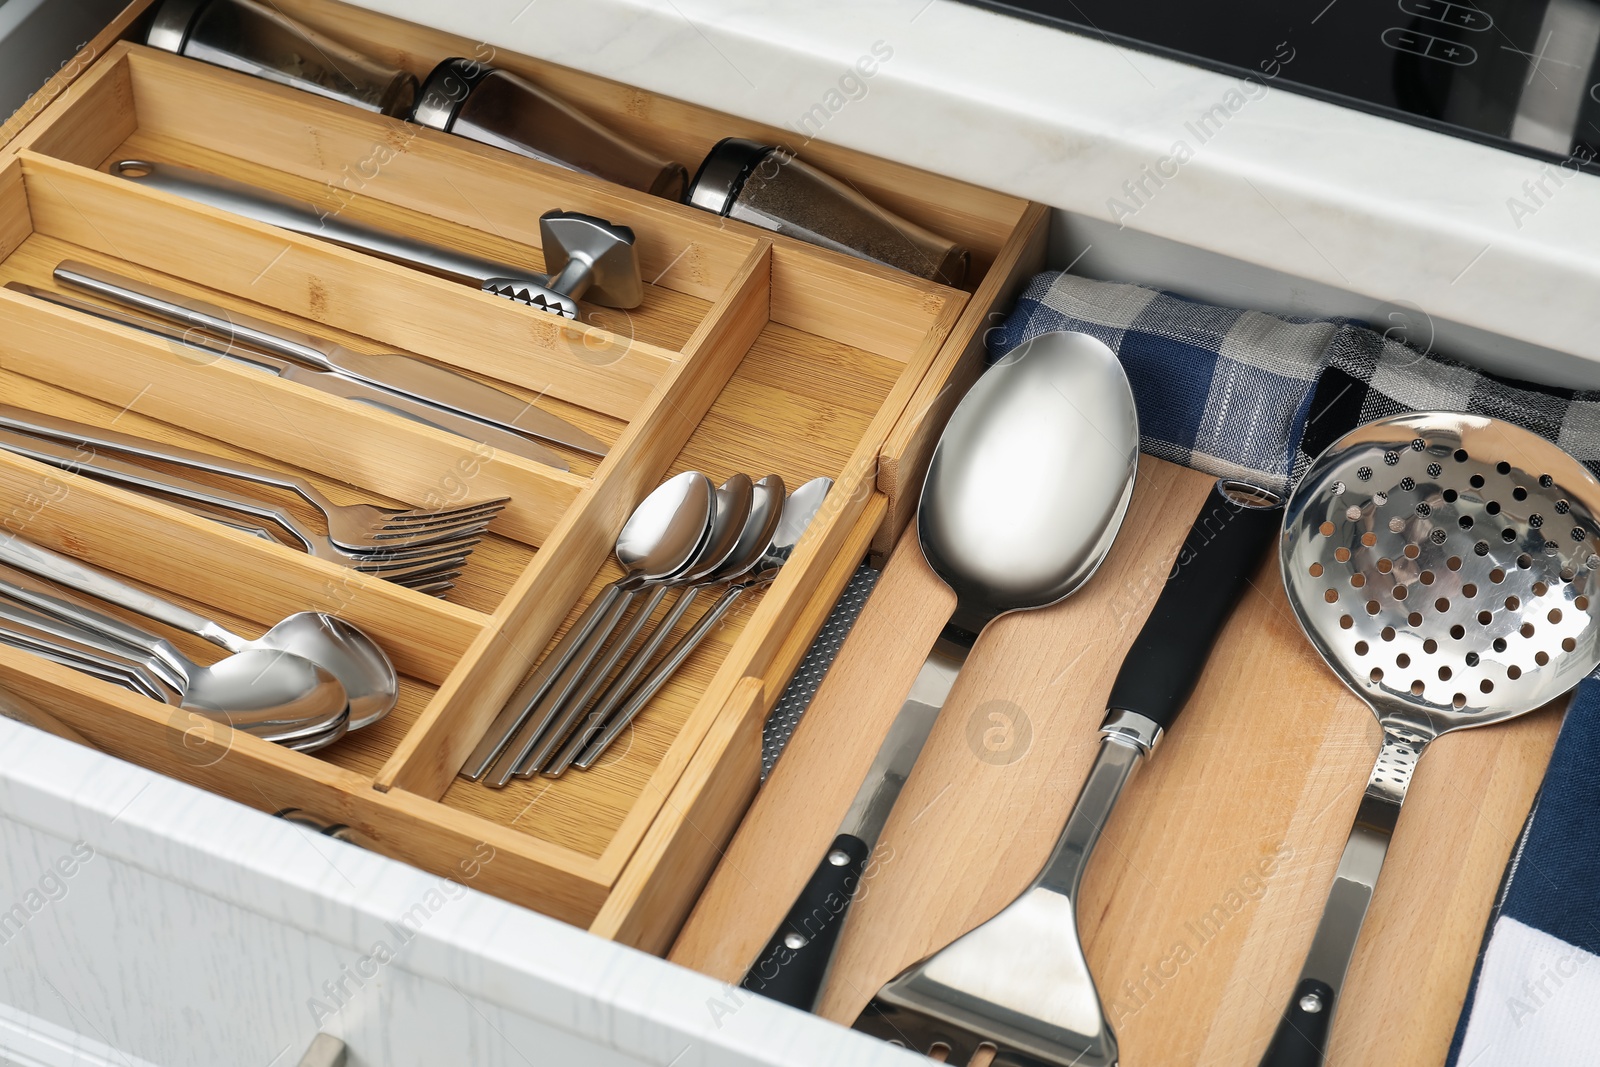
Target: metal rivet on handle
x=1311 y=1004
x=794 y=941
x=838 y=858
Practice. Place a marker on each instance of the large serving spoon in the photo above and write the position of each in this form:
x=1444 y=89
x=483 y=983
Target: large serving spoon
x=766 y=510
x=658 y=540
x=253 y=687
x=798 y=511
x=369 y=680
x=1025 y=494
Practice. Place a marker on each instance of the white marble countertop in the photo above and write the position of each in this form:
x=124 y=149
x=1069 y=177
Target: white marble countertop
x=1375 y=207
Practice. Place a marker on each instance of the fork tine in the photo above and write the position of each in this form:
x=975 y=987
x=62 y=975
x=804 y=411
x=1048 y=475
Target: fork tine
x=449 y=569
x=428 y=518
x=419 y=533
x=463 y=541
x=417 y=565
x=425 y=534
x=390 y=555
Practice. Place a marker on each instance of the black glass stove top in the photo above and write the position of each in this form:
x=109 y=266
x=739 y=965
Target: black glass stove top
x=1519 y=74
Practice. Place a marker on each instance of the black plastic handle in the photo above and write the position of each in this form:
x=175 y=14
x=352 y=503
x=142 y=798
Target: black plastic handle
x=1302 y=1035
x=791 y=968
x=1223 y=547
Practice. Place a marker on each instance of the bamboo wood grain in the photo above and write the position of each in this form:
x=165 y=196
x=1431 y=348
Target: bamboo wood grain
x=979 y=218
x=349 y=441
x=429 y=758
x=709 y=810
x=1200 y=902
x=910 y=444
x=444 y=175
x=15 y=223
x=324 y=282
x=686 y=840
x=271 y=778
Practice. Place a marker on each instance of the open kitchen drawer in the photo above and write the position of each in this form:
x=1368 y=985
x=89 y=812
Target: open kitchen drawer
x=749 y=353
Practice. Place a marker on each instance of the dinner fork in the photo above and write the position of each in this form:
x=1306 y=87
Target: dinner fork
x=356 y=527
x=416 y=564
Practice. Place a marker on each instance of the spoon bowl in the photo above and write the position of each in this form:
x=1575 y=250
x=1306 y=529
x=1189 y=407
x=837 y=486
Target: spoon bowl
x=369 y=678
x=659 y=539
x=1031 y=478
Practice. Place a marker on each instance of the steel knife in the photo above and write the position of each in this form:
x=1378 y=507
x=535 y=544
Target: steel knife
x=332 y=383
x=410 y=377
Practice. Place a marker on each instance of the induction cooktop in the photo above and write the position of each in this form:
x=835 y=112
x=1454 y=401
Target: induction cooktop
x=1519 y=74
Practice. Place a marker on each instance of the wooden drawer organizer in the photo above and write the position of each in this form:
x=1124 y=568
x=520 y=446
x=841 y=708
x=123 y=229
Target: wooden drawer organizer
x=750 y=353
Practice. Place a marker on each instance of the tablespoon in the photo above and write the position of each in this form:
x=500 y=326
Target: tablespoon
x=659 y=538
x=798 y=511
x=352 y=657
x=46 y=619
x=766 y=509
x=563 y=706
x=259 y=685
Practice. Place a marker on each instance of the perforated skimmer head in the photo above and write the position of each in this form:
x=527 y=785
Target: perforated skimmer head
x=1445 y=567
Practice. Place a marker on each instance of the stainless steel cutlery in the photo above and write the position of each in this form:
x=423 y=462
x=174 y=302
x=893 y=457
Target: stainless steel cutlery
x=684 y=537
x=404 y=376
x=658 y=540
x=304 y=683
x=1445 y=566
x=798 y=512
x=418 y=547
x=588 y=257
x=332 y=383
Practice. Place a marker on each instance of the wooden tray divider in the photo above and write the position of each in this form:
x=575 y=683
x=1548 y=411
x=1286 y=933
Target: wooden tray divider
x=682 y=845
x=323 y=282
x=442 y=738
x=346 y=440
x=981 y=219
x=139 y=537
x=270 y=778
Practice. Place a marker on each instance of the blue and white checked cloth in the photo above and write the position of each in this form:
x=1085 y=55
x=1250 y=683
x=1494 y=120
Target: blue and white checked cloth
x=1241 y=393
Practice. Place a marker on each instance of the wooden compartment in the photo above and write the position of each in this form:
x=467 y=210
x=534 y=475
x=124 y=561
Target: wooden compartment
x=750 y=353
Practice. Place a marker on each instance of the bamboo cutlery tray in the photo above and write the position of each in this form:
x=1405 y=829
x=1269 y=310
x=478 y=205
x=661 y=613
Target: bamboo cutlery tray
x=750 y=353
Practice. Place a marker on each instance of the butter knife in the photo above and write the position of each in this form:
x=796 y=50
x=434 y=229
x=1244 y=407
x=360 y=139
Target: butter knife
x=413 y=378
x=329 y=382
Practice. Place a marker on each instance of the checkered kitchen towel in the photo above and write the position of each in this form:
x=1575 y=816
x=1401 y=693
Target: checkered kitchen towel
x=1241 y=393
x=1244 y=394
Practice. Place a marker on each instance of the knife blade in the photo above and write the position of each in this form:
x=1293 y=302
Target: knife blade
x=413 y=378
x=330 y=382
